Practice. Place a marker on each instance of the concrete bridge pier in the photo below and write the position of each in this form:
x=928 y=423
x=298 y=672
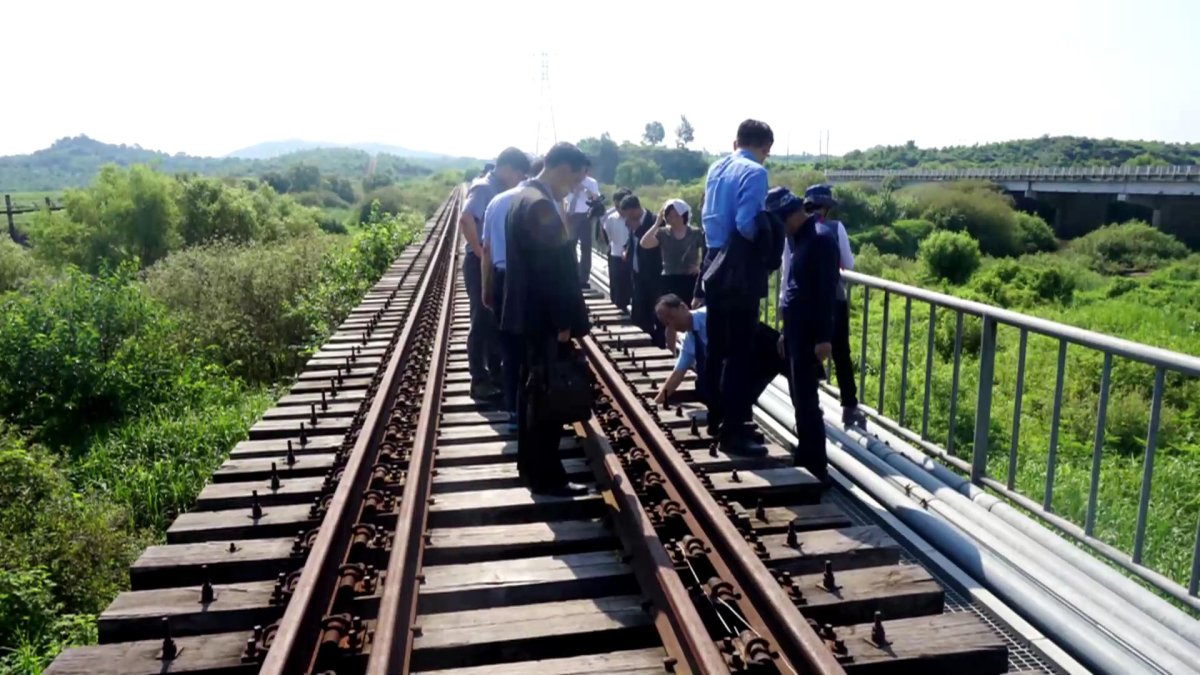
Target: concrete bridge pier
x=1178 y=216
x=1076 y=214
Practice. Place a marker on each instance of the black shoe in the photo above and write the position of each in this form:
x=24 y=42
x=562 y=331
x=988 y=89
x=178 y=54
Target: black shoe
x=485 y=391
x=567 y=489
x=753 y=433
x=741 y=444
x=853 y=417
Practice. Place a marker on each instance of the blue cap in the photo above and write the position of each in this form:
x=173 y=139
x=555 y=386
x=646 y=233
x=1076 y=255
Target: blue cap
x=821 y=195
x=782 y=201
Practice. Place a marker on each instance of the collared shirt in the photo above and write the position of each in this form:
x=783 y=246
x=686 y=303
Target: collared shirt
x=617 y=232
x=577 y=201
x=494 y=218
x=481 y=192
x=699 y=331
x=734 y=193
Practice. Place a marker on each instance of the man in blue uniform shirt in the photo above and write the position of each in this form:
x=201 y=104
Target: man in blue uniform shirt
x=807 y=307
x=483 y=343
x=735 y=192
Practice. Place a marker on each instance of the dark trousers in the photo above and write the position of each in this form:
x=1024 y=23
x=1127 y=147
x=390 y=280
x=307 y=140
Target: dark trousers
x=841 y=354
x=731 y=327
x=620 y=281
x=512 y=347
x=683 y=285
x=539 y=462
x=802 y=383
x=483 y=345
x=645 y=294
x=581 y=225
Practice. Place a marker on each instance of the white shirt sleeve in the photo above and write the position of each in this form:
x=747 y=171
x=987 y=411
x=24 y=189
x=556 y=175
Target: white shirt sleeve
x=844 y=251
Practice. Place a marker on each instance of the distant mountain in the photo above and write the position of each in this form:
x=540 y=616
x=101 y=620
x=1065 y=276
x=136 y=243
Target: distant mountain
x=273 y=149
x=74 y=162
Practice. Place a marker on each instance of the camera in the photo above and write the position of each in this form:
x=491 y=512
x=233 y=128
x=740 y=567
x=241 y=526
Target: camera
x=596 y=206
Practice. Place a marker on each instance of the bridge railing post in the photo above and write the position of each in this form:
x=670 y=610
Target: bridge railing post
x=983 y=401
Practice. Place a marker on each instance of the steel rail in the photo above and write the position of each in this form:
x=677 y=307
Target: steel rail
x=686 y=640
x=391 y=645
x=768 y=605
x=294 y=643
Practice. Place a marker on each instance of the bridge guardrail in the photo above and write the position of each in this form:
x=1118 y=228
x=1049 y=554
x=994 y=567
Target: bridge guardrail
x=1134 y=173
x=1163 y=362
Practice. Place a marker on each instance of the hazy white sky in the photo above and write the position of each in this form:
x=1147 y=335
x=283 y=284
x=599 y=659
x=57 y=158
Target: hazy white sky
x=463 y=77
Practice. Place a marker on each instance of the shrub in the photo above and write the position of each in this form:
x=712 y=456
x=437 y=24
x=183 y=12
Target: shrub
x=239 y=302
x=1033 y=234
x=911 y=232
x=78 y=351
x=83 y=544
x=16 y=265
x=125 y=214
x=953 y=256
x=979 y=210
x=1128 y=247
x=1010 y=283
x=638 y=172
x=883 y=238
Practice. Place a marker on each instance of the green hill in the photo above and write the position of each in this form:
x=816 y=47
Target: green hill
x=1044 y=151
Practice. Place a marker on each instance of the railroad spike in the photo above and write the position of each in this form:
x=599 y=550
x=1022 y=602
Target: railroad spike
x=207 y=594
x=274 y=478
x=312 y=415
x=291 y=455
x=695 y=427
x=332 y=388
x=169 y=649
x=792 y=542
x=760 y=510
x=733 y=476
x=828 y=582
x=712 y=449
x=256 y=511
x=878 y=635
x=233 y=547
x=251 y=651
x=364 y=337
x=303 y=435
x=679 y=410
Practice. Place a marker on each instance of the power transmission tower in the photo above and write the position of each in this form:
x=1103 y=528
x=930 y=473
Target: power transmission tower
x=546 y=109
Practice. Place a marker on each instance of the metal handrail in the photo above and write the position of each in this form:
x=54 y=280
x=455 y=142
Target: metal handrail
x=1161 y=360
x=1175 y=172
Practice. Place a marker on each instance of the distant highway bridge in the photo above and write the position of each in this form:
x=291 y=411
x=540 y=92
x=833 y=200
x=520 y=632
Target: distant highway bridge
x=1081 y=198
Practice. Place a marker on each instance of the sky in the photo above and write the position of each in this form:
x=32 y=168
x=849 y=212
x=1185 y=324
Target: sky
x=464 y=78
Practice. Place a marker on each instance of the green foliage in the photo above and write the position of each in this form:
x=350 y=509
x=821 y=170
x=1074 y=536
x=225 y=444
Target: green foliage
x=883 y=238
x=238 y=302
x=1128 y=247
x=124 y=215
x=1033 y=234
x=1044 y=151
x=78 y=351
x=421 y=195
x=17 y=266
x=377 y=180
x=953 y=256
x=978 y=209
x=638 y=172
x=1018 y=284
x=912 y=232
x=654 y=133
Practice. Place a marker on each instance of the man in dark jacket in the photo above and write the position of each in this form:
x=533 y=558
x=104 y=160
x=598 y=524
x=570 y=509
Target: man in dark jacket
x=544 y=305
x=807 y=308
x=647 y=269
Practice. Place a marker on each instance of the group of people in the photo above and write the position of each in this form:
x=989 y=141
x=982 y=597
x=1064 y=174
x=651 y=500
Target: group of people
x=523 y=222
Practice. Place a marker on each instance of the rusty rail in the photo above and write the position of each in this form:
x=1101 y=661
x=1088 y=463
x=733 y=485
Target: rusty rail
x=770 y=614
x=294 y=645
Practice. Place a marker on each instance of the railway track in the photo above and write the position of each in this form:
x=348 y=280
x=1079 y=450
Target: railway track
x=384 y=530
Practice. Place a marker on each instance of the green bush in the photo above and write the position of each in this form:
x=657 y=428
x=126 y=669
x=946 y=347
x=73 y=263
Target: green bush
x=1015 y=284
x=953 y=256
x=78 y=352
x=17 y=266
x=977 y=209
x=125 y=214
x=1033 y=234
x=239 y=302
x=638 y=172
x=1128 y=247
x=882 y=237
x=911 y=232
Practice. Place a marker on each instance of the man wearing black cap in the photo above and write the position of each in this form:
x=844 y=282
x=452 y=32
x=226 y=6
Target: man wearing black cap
x=483 y=340
x=810 y=282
